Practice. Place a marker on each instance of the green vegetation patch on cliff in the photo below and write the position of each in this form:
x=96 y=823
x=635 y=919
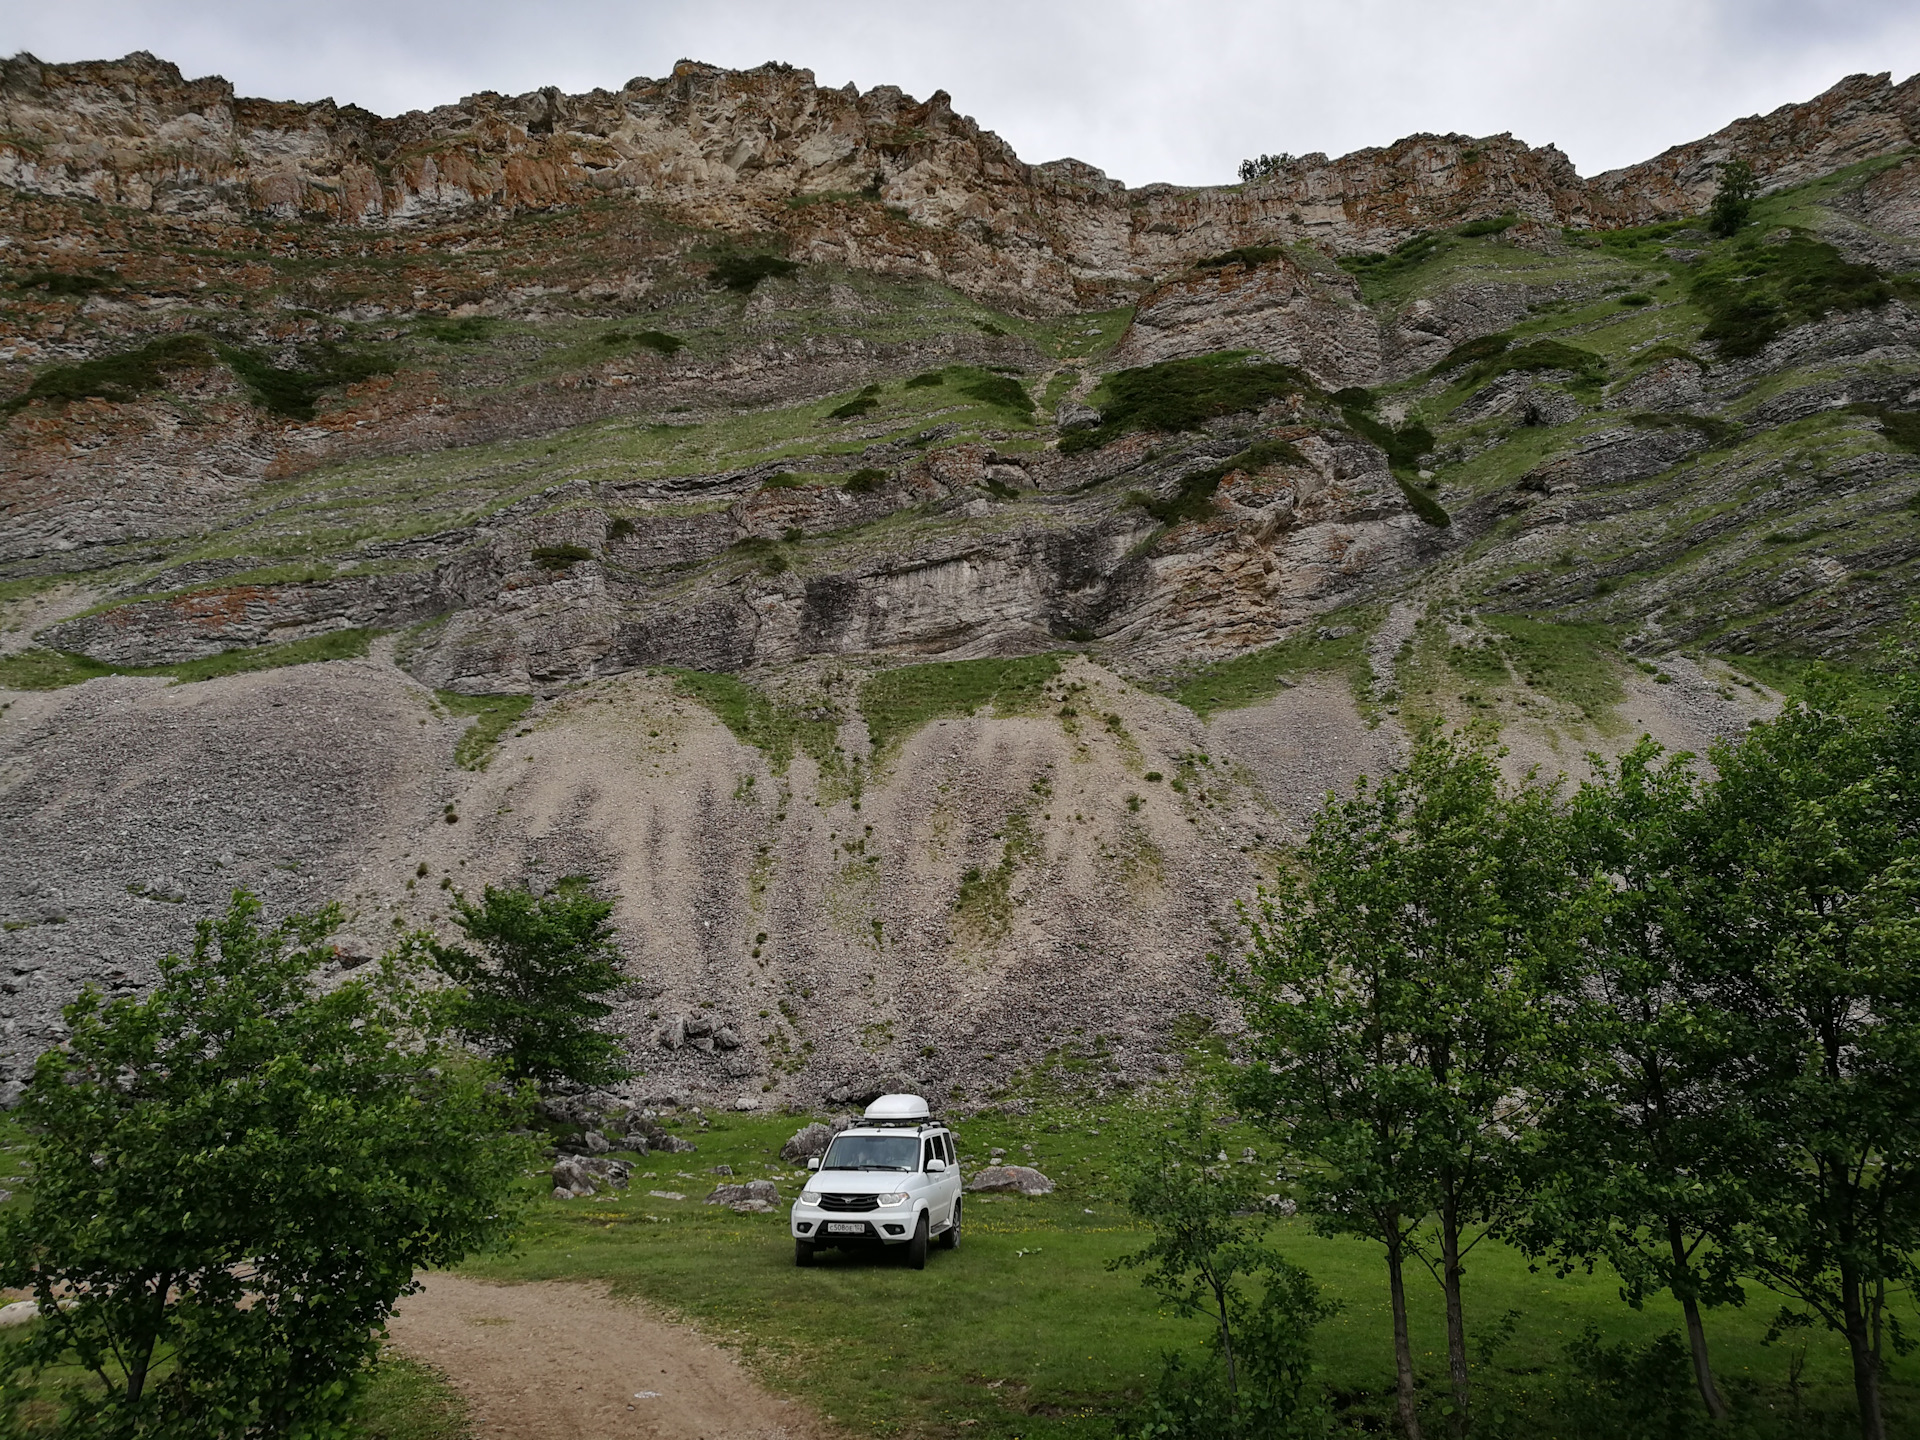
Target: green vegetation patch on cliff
x=494 y=716
x=52 y=669
x=1336 y=644
x=758 y=719
x=1183 y=394
x=120 y=378
x=898 y=702
x=743 y=273
x=1192 y=498
x=1579 y=665
x=1753 y=292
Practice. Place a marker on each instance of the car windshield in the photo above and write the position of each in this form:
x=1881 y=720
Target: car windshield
x=873 y=1152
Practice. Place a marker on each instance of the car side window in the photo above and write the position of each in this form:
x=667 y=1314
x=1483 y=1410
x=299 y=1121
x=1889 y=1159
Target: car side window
x=932 y=1152
x=946 y=1142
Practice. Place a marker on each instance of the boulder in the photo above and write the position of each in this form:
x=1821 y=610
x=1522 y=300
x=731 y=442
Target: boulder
x=763 y=1193
x=725 y=1039
x=697 y=1027
x=596 y=1143
x=1011 y=1180
x=578 y=1175
x=1072 y=415
x=812 y=1140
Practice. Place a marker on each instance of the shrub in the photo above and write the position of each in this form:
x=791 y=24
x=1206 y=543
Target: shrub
x=1264 y=167
x=865 y=482
x=1473 y=352
x=1753 y=293
x=1409 y=254
x=558 y=557
x=1404 y=446
x=1588 y=368
x=742 y=273
x=926 y=381
x=1494 y=225
x=620 y=529
x=1182 y=394
x=1900 y=427
x=1636 y=298
x=1001 y=391
x=785 y=480
x=865 y=401
x=1250 y=256
x=1193 y=498
x=121 y=377
x=1732 y=198
x=535 y=994
x=293 y=393
x=989 y=329
x=236 y=1177
x=68 y=282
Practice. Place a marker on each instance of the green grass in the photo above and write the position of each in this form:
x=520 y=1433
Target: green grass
x=777 y=730
x=1249 y=679
x=1754 y=292
x=122 y=377
x=494 y=716
x=39 y=669
x=1024 y=1331
x=1586 y=366
x=1579 y=665
x=1182 y=394
x=406 y=1400
x=899 y=701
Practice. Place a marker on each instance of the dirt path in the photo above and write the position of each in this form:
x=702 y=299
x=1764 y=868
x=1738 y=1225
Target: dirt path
x=556 y=1361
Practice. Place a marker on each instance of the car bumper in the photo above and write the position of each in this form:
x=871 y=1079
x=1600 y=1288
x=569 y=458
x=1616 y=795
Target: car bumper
x=888 y=1227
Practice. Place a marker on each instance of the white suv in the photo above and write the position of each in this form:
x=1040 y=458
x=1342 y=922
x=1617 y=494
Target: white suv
x=893 y=1179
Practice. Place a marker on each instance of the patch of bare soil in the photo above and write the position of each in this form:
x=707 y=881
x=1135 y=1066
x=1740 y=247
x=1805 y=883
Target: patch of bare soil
x=552 y=1361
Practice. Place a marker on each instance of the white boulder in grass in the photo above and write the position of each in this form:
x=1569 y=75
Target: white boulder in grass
x=1011 y=1180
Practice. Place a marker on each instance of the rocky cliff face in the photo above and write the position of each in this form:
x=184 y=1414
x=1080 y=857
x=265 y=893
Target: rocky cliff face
x=733 y=150
x=927 y=586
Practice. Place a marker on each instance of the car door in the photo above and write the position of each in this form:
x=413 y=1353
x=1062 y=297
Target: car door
x=950 y=1181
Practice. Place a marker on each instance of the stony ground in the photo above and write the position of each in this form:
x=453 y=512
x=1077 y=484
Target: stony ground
x=998 y=887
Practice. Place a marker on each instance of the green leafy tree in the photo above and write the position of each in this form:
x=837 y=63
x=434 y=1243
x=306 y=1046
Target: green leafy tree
x=235 y=1178
x=1732 y=198
x=535 y=992
x=1392 y=990
x=1645 y=1114
x=1815 y=818
x=1209 y=1217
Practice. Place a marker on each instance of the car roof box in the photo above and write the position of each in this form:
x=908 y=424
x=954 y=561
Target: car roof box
x=897 y=1110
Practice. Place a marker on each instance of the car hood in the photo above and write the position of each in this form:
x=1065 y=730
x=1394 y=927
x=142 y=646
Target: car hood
x=862 y=1182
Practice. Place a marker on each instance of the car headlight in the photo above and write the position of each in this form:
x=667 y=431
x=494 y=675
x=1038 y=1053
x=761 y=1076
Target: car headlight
x=809 y=1197
x=898 y=1197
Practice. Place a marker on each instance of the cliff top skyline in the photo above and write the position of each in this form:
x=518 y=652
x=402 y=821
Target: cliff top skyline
x=1141 y=94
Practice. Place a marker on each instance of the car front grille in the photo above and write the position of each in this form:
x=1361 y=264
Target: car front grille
x=849 y=1204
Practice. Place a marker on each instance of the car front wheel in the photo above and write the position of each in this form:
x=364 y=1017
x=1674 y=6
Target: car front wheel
x=803 y=1252
x=917 y=1246
x=950 y=1237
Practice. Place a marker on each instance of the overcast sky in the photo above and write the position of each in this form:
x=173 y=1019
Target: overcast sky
x=1147 y=91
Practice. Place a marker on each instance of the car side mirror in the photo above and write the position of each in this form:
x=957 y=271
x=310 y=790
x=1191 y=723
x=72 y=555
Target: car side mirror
x=934 y=1167
x=814 y=1163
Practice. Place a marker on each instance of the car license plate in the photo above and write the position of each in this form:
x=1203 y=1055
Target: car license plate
x=841 y=1227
